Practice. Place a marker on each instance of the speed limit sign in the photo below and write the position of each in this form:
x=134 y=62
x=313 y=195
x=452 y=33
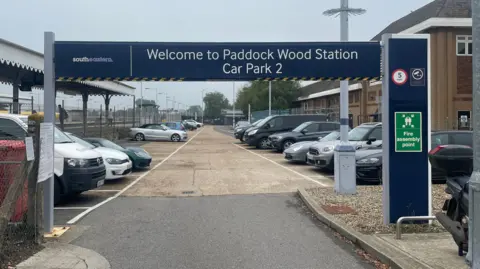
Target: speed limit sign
x=399 y=76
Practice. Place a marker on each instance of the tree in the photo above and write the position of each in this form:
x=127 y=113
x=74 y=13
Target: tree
x=214 y=103
x=256 y=94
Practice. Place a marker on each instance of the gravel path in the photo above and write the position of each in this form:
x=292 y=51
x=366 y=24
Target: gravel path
x=367 y=204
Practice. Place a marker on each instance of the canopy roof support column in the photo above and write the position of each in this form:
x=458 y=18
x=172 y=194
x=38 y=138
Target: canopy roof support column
x=15 y=105
x=107 y=98
x=84 y=111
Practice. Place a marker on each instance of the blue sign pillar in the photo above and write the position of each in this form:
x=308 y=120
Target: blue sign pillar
x=406 y=126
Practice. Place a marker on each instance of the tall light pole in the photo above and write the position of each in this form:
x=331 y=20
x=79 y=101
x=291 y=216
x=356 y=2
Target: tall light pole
x=233 y=101
x=203 y=105
x=269 y=98
x=342 y=151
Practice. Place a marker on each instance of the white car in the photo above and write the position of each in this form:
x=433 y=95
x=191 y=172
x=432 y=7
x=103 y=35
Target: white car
x=157 y=132
x=117 y=163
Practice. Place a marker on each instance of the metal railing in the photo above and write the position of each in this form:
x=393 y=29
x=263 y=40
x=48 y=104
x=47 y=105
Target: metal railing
x=402 y=219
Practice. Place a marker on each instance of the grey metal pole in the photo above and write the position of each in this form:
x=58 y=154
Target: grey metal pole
x=269 y=98
x=473 y=255
x=249 y=114
x=31 y=100
x=344 y=83
x=49 y=118
x=233 y=102
x=141 y=102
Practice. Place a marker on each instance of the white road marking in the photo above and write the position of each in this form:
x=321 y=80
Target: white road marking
x=283 y=166
x=103 y=190
x=73 y=207
x=90 y=209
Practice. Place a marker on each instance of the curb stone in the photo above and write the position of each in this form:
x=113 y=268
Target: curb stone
x=387 y=254
x=63 y=256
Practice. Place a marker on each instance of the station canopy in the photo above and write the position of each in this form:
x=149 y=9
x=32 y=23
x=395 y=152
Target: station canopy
x=25 y=67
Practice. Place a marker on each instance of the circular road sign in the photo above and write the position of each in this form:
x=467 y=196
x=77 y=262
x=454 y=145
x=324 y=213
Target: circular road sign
x=399 y=76
x=417 y=74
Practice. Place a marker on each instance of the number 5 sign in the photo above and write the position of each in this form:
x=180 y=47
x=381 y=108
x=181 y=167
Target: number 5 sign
x=399 y=76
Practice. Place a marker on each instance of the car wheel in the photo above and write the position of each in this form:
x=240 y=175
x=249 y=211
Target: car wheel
x=241 y=140
x=286 y=144
x=139 y=137
x=175 y=138
x=56 y=192
x=263 y=143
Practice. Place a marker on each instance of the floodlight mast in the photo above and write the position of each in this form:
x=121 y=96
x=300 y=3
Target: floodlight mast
x=344 y=149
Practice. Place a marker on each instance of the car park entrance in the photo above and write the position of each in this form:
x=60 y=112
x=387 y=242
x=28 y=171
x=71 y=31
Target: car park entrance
x=148 y=61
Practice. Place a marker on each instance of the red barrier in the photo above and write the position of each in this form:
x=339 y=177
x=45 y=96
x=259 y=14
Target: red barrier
x=12 y=151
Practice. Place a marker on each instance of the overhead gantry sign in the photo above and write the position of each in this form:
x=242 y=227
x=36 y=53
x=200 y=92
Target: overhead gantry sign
x=133 y=61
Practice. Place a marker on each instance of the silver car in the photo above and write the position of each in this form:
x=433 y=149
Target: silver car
x=365 y=135
x=157 y=132
x=298 y=152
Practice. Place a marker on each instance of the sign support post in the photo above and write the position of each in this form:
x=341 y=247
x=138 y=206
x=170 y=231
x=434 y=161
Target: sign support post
x=406 y=126
x=473 y=255
x=49 y=119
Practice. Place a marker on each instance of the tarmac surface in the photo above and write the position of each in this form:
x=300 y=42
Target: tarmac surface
x=209 y=203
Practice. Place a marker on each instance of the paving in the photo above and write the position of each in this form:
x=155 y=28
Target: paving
x=437 y=250
x=213 y=164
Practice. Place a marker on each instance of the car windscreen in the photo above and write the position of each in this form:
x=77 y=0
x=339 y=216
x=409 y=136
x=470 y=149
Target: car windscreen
x=262 y=122
x=82 y=142
x=331 y=136
x=301 y=127
x=358 y=133
x=110 y=144
x=60 y=137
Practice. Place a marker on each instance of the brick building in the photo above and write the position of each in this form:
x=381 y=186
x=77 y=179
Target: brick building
x=449 y=23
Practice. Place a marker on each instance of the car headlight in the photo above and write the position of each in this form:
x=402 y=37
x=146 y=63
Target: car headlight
x=368 y=160
x=297 y=148
x=113 y=161
x=278 y=137
x=252 y=132
x=328 y=149
x=142 y=154
x=73 y=162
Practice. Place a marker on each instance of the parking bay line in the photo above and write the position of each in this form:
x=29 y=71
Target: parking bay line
x=103 y=190
x=72 y=208
x=90 y=209
x=283 y=166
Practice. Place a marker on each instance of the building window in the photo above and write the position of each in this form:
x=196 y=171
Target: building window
x=350 y=98
x=372 y=96
x=356 y=96
x=464 y=45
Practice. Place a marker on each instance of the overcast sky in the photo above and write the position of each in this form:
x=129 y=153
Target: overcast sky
x=24 y=22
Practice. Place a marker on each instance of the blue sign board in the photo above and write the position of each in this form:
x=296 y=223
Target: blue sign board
x=406 y=127
x=217 y=61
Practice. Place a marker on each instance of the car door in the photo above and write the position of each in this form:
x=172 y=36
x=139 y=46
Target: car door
x=439 y=139
x=462 y=138
x=147 y=131
x=160 y=132
x=375 y=133
x=310 y=133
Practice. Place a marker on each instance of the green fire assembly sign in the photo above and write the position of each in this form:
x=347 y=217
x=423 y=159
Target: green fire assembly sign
x=408 y=131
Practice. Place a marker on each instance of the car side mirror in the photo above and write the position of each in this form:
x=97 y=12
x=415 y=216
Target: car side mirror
x=371 y=139
x=304 y=131
x=267 y=126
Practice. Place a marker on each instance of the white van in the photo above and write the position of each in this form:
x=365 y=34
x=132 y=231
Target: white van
x=76 y=168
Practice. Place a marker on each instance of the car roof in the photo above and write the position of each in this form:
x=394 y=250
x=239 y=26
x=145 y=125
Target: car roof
x=370 y=124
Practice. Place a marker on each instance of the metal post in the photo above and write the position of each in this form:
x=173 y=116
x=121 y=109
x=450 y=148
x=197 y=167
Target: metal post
x=31 y=100
x=133 y=112
x=249 y=114
x=62 y=116
x=49 y=118
x=233 y=102
x=141 y=102
x=101 y=112
x=269 y=98
x=473 y=256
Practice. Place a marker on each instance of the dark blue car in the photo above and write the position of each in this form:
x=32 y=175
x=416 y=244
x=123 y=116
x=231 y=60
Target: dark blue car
x=175 y=125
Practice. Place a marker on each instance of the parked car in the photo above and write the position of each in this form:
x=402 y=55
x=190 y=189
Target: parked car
x=76 y=168
x=157 y=132
x=258 y=136
x=307 y=131
x=175 y=125
x=139 y=157
x=365 y=135
x=298 y=151
x=194 y=123
x=189 y=125
x=117 y=163
x=369 y=162
x=242 y=123
x=240 y=131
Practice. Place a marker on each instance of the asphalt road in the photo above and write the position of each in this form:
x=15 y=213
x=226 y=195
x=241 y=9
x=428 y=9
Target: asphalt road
x=238 y=231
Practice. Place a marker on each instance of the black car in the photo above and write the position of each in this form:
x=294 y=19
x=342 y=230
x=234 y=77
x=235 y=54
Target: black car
x=369 y=161
x=258 y=136
x=307 y=131
x=239 y=131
